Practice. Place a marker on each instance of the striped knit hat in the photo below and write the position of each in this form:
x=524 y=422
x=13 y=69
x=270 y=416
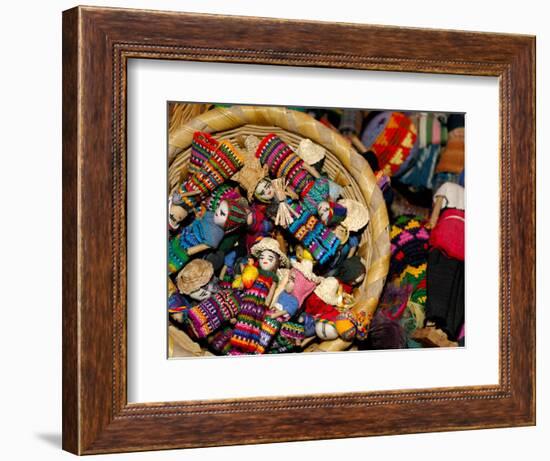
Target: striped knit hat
x=391 y=136
x=224 y=192
x=284 y=163
x=237 y=213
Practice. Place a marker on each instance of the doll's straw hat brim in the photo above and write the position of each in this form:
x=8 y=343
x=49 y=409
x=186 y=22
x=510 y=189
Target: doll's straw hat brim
x=194 y=275
x=270 y=244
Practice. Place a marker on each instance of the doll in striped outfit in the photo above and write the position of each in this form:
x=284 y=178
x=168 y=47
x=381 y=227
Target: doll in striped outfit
x=211 y=164
x=245 y=338
x=206 y=232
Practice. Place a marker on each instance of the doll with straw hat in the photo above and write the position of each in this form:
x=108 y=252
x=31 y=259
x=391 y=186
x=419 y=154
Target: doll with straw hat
x=255 y=300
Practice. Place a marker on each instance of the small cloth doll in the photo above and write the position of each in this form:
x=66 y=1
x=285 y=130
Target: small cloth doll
x=212 y=163
x=196 y=282
x=206 y=232
x=214 y=312
x=321 y=304
x=282 y=162
x=256 y=299
x=332 y=317
x=318 y=239
x=298 y=284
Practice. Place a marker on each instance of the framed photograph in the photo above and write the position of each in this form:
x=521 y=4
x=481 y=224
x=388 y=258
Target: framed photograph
x=281 y=230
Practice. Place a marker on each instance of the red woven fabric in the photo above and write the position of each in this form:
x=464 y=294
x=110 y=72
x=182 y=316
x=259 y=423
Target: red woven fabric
x=316 y=307
x=448 y=234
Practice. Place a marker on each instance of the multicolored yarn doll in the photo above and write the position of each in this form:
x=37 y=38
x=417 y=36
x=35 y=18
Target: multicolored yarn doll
x=282 y=162
x=318 y=239
x=211 y=168
x=299 y=283
x=246 y=335
x=255 y=300
x=212 y=313
x=326 y=306
x=206 y=232
x=390 y=136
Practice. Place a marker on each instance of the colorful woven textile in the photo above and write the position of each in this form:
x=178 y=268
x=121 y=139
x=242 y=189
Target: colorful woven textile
x=237 y=212
x=290 y=335
x=448 y=234
x=284 y=163
x=202 y=148
x=200 y=231
x=213 y=312
x=318 y=239
x=246 y=335
x=391 y=136
x=409 y=244
x=221 y=164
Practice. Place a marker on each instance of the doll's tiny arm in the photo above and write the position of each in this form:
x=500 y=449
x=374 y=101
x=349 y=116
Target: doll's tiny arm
x=277 y=314
x=197 y=249
x=270 y=294
x=223 y=272
x=312 y=171
x=190 y=193
x=436 y=211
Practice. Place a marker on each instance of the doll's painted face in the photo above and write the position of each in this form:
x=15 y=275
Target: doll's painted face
x=268 y=260
x=264 y=191
x=176 y=216
x=221 y=213
x=204 y=292
x=323 y=209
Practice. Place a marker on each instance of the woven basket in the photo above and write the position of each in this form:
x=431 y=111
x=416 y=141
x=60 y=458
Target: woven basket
x=342 y=163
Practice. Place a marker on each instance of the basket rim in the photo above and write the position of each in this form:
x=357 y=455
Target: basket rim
x=301 y=124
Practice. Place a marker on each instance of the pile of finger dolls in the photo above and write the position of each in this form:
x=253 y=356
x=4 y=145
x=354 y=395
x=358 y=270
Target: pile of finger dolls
x=263 y=245
x=262 y=252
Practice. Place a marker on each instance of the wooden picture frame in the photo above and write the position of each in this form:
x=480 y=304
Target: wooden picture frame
x=97 y=43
